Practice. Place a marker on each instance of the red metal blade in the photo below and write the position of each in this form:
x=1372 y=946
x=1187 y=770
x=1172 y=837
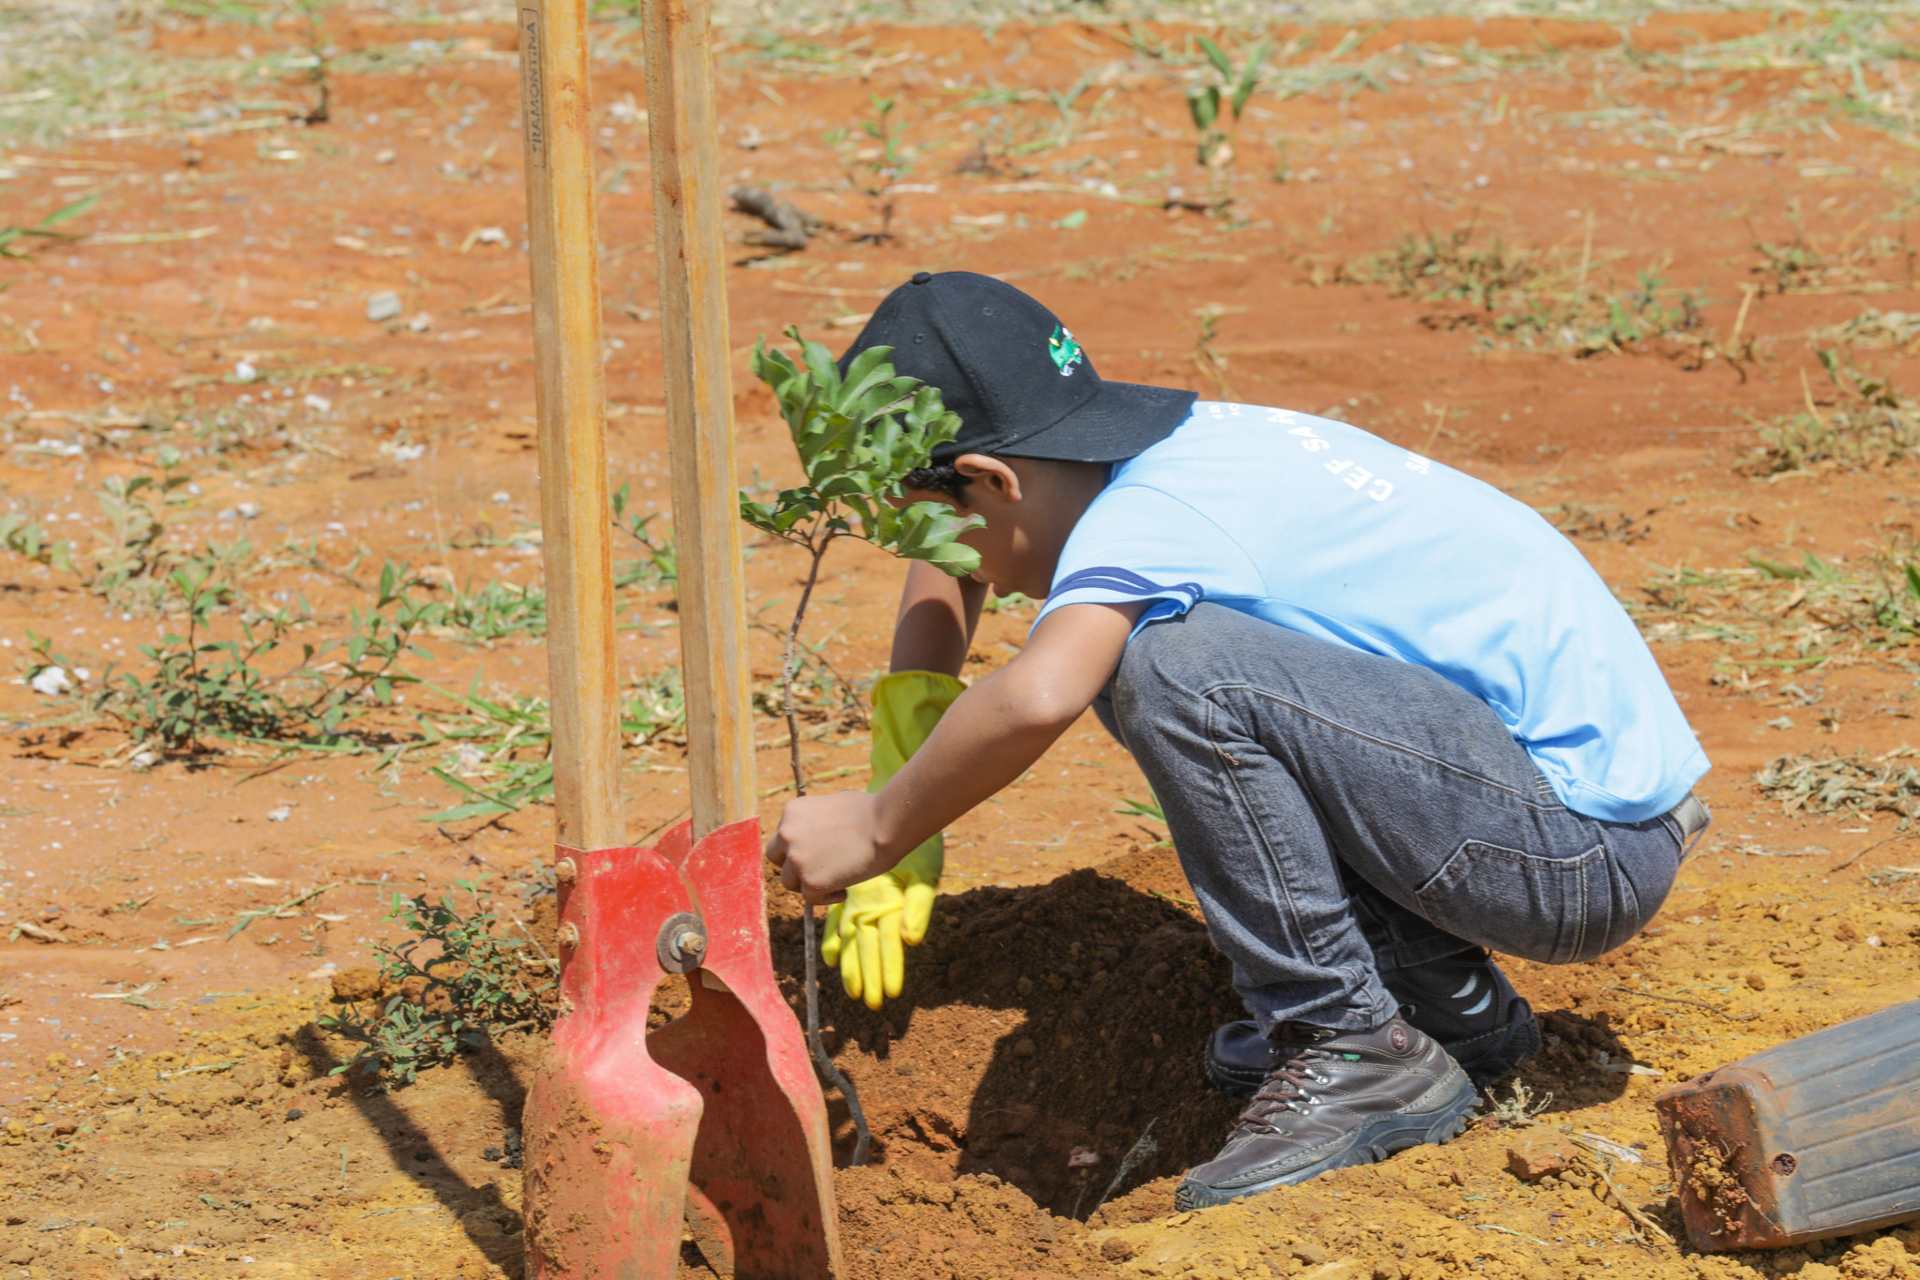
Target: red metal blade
x=619 y=1125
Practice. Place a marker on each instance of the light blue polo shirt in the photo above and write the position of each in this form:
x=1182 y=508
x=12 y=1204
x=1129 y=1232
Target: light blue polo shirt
x=1322 y=528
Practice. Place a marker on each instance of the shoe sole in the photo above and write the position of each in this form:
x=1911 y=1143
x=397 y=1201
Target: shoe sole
x=1518 y=1041
x=1371 y=1143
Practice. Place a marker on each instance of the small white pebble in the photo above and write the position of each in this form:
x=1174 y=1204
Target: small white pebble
x=280 y=813
x=384 y=305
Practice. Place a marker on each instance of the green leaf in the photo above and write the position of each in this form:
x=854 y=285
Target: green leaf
x=929 y=531
x=1774 y=569
x=857 y=436
x=69 y=212
x=1204 y=104
x=1217 y=56
x=1249 y=79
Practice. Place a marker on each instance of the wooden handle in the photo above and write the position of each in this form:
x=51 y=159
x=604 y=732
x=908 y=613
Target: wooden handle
x=693 y=319
x=570 y=397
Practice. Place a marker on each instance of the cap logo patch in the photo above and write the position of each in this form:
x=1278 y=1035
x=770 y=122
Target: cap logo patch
x=1065 y=350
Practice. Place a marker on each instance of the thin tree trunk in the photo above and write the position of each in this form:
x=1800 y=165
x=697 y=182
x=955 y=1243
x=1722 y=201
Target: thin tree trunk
x=822 y=1062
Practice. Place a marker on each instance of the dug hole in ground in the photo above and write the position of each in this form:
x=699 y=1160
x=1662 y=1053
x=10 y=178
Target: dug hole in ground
x=1407 y=203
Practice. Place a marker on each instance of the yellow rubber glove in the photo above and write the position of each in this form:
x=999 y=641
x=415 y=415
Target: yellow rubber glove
x=867 y=935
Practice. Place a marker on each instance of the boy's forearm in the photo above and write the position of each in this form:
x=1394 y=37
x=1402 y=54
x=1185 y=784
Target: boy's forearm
x=937 y=616
x=990 y=736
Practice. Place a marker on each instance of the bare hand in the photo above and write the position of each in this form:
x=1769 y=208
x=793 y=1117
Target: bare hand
x=825 y=843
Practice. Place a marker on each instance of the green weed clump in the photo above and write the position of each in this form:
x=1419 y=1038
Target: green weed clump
x=1451 y=267
x=209 y=682
x=501 y=757
x=1586 y=523
x=47 y=228
x=1856 y=784
x=453 y=983
x=1874 y=328
x=1791 y=616
x=1798 y=265
x=1521 y=296
x=1217 y=103
x=872 y=170
x=23 y=537
x=1872 y=426
x=658 y=564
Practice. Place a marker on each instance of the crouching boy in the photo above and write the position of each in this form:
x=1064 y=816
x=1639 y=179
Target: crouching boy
x=1393 y=717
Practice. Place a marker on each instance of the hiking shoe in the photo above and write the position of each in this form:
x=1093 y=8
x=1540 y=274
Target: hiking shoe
x=1463 y=1001
x=1333 y=1099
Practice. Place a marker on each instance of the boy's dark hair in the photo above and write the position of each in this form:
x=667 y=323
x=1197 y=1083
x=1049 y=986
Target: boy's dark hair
x=941 y=477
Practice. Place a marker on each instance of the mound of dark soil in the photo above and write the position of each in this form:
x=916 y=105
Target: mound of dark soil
x=1045 y=1034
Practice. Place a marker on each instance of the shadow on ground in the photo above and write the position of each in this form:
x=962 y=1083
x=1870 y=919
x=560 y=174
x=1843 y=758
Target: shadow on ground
x=492 y=1226
x=1052 y=1036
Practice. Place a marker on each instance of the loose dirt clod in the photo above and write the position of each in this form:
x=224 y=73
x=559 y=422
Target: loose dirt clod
x=1532 y=1159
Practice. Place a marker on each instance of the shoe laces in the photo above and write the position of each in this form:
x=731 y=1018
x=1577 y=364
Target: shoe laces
x=1288 y=1088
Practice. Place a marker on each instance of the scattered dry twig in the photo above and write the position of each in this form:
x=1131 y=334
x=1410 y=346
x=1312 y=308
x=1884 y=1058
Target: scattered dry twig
x=1645 y=1228
x=1858 y=854
x=246 y=918
x=791 y=227
x=1686 y=1000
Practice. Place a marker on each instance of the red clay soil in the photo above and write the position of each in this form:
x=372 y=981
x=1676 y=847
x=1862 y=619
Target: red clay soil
x=165 y=1102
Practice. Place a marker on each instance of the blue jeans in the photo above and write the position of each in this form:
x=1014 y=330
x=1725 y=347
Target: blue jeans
x=1341 y=814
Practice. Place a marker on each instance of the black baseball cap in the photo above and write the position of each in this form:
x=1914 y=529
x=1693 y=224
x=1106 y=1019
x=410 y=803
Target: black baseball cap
x=1016 y=376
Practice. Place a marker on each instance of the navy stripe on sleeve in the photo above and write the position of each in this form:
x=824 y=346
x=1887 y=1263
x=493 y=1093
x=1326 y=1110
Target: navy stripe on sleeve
x=1127 y=582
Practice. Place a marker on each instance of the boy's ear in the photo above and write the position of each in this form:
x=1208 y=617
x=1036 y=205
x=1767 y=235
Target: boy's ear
x=985 y=469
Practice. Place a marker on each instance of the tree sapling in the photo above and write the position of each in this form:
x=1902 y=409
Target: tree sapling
x=858 y=436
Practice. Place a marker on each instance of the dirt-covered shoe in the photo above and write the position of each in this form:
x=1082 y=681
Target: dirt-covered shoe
x=1333 y=1099
x=1463 y=1001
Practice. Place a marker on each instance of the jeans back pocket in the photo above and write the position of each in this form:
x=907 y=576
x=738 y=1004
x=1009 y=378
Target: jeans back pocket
x=1513 y=901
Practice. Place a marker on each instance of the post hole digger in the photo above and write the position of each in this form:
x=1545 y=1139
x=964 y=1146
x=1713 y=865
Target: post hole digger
x=717 y=1120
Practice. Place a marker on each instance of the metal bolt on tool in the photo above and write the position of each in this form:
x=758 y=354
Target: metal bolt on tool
x=682 y=942
x=569 y=935
x=566 y=871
